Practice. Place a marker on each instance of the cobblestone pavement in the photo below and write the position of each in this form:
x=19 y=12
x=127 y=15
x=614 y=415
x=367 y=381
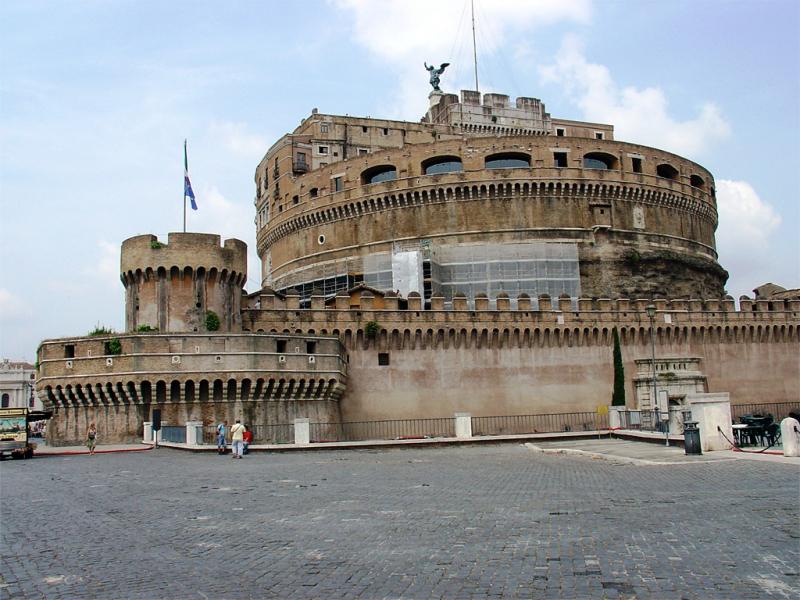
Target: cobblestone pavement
x=460 y=522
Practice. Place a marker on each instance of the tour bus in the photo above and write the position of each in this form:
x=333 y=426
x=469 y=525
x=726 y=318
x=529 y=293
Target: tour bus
x=14 y=433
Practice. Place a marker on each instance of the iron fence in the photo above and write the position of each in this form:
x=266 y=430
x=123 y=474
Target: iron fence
x=779 y=410
x=173 y=433
x=280 y=433
x=652 y=420
x=402 y=429
x=548 y=423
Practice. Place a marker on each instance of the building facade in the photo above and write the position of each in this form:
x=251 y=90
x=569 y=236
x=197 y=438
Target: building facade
x=18 y=385
x=476 y=261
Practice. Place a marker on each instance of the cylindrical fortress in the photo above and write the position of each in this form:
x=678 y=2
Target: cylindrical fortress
x=575 y=213
x=172 y=287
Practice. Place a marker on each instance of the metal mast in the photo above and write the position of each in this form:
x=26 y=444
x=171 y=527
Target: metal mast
x=474 y=46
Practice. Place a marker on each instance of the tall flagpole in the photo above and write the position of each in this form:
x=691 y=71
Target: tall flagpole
x=185 y=169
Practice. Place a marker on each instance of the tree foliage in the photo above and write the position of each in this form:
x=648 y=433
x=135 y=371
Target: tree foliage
x=618 y=398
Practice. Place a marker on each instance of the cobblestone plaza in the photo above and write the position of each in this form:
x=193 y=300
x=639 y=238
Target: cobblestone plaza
x=449 y=522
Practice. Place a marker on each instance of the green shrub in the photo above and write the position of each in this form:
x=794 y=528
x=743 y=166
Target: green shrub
x=618 y=397
x=145 y=328
x=100 y=330
x=156 y=245
x=113 y=346
x=212 y=321
x=372 y=328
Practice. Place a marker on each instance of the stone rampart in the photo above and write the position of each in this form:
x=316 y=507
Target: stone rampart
x=555 y=359
x=261 y=378
x=172 y=286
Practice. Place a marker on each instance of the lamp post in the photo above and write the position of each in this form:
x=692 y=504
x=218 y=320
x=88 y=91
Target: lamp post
x=651 y=314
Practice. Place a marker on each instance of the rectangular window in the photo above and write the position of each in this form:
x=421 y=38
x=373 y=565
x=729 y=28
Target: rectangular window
x=560 y=131
x=322 y=149
x=364 y=129
x=598 y=135
x=338 y=184
x=335 y=153
x=69 y=351
x=313 y=192
x=383 y=359
x=311 y=347
x=560 y=159
x=301 y=158
x=280 y=346
x=637 y=165
x=385 y=131
x=363 y=151
x=324 y=128
x=295 y=199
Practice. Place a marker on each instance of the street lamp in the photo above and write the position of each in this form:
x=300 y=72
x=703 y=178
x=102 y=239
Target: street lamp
x=651 y=314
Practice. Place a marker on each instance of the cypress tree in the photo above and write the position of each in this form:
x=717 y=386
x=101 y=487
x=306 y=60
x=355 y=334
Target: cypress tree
x=618 y=399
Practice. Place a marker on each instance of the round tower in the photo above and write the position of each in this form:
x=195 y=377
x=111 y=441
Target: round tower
x=174 y=286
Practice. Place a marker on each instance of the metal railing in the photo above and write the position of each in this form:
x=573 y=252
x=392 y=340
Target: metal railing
x=779 y=410
x=280 y=433
x=173 y=433
x=382 y=430
x=650 y=420
x=549 y=423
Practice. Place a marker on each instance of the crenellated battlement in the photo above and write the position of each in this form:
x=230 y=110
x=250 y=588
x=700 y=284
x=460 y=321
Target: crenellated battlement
x=172 y=286
x=403 y=323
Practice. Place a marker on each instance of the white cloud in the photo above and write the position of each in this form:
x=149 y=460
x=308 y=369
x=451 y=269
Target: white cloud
x=238 y=140
x=12 y=306
x=638 y=115
x=746 y=227
x=407 y=33
x=397 y=30
x=216 y=214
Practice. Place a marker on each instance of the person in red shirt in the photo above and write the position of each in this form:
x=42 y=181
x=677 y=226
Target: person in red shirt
x=247 y=438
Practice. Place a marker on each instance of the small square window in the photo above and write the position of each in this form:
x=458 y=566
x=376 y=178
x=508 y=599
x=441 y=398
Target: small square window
x=324 y=128
x=281 y=346
x=560 y=159
x=336 y=153
x=385 y=131
x=383 y=359
x=637 y=165
x=338 y=184
x=363 y=151
x=364 y=129
x=560 y=131
x=313 y=192
x=311 y=347
x=322 y=149
x=598 y=135
x=69 y=351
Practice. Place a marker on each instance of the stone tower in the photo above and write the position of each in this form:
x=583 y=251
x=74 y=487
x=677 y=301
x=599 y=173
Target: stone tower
x=172 y=286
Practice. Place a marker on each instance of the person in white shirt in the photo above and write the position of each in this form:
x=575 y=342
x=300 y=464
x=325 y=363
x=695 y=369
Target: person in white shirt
x=237 y=437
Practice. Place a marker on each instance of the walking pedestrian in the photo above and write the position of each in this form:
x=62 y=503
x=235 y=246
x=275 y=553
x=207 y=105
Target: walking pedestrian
x=237 y=439
x=91 y=438
x=221 y=437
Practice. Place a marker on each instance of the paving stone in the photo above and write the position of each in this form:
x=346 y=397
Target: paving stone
x=459 y=522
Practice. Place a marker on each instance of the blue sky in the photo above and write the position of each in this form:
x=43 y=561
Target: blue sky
x=96 y=98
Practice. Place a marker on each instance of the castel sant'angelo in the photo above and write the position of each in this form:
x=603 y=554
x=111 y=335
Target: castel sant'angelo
x=477 y=261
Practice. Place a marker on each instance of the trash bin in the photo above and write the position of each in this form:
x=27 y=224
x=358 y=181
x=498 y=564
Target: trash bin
x=691 y=438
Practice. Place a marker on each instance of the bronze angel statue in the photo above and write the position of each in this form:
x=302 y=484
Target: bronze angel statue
x=435 y=74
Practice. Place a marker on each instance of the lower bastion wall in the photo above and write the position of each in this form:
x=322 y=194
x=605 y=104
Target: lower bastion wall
x=327 y=364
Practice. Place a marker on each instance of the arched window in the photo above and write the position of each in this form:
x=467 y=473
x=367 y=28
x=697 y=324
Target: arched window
x=508 y=160
x=667 y=171
x=6 y=401
x=442 y=164
x=599 y=160
x=697 y=181
x=378 y=174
